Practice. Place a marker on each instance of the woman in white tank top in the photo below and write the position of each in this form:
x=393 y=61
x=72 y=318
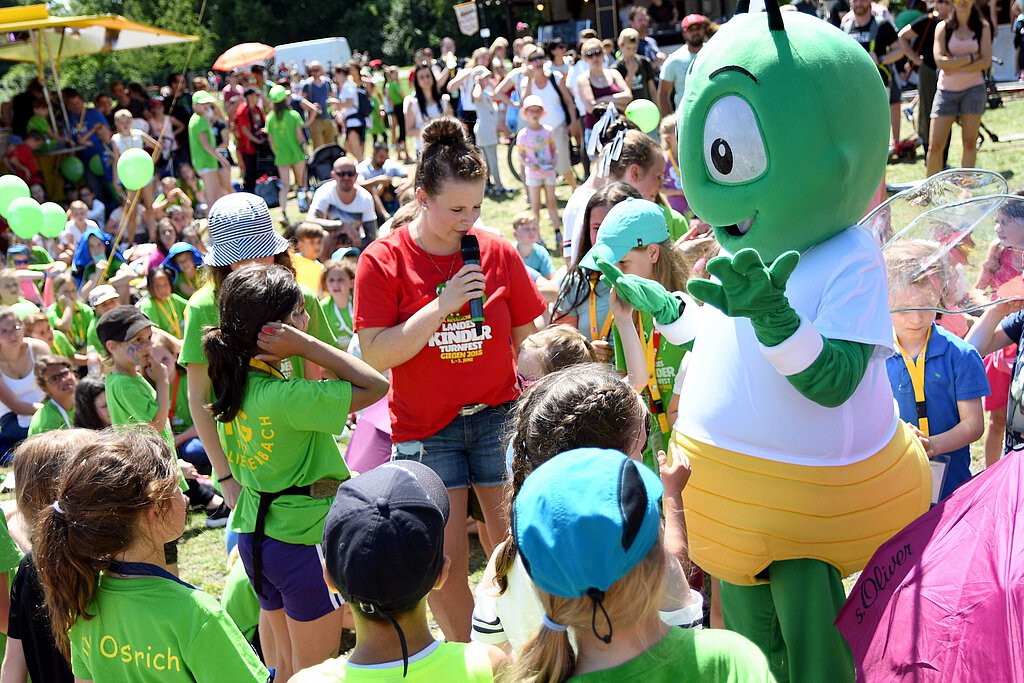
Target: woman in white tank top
x=20 y=396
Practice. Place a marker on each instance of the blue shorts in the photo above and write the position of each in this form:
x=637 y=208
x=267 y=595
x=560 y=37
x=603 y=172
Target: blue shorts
x=293 y=578
x=466 y=451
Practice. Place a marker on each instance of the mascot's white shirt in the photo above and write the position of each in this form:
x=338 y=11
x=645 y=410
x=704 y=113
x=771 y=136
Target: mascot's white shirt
x=733 y=398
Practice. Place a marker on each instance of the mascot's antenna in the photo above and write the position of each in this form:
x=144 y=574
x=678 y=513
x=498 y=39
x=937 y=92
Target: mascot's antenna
x=771 y=7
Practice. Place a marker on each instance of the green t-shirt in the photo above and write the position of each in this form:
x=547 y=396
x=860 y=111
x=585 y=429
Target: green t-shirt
x=376 y=122
x=10 y=558
x=394 y=92
x=676 y=222
x=708 y=656
x=155 y=629
x=281 y=127
x=92 y=338
x=81 y=320
x=40 y=125
x=448 y=662
x=167 y=315
x=240 y=601
x=284 y=436
x=40 y=257
x=198 y=128
x=202 y=312
x=50 y=417
x=23 y=308
x=132 y=400
x=181 y=419
x=340 y=321
x=62 y=346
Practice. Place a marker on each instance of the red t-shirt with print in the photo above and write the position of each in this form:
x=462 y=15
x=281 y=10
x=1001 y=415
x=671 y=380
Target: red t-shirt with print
x=396 y=278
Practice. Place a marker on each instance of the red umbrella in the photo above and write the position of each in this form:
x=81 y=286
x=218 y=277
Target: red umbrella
x=243 y=54
x=942 y=599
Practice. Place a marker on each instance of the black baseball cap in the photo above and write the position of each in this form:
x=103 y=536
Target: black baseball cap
x=390 y=517
x=121 y=324
x=384 y=539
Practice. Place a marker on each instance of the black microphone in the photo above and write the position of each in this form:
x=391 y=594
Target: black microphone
x=471 y=255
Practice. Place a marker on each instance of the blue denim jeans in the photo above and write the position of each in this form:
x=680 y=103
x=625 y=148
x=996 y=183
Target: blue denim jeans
x=468 y=450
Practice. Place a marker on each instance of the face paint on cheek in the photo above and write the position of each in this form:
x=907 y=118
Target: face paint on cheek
x=133 y=351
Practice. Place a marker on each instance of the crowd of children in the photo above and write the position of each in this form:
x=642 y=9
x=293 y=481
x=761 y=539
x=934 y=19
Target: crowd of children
x=217 y=371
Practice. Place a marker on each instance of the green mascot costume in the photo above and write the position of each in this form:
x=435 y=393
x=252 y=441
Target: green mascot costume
x=801 y=467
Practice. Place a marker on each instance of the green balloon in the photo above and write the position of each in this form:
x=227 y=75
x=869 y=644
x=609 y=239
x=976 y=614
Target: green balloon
x=11 y=187
x=135 y=169
x=54 y=219
x=72 y=168
x=96 y=165
x=645 y=114
x=25 y=217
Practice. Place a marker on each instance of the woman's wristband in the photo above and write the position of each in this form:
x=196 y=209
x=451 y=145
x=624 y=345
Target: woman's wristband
x=224 y=478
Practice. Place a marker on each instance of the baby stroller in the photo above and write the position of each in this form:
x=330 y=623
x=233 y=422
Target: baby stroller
x=318 y=171
x=321 y=161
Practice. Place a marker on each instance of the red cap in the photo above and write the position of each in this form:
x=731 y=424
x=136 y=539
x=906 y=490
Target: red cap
x=375 y=63
x=692 y=19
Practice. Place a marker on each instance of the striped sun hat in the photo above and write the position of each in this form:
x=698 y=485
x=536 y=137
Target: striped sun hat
x=241 y=229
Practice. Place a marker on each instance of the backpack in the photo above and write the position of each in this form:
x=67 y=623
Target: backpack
x=363 y=103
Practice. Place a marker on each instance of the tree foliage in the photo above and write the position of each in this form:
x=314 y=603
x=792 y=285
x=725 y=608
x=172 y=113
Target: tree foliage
x=390 y=29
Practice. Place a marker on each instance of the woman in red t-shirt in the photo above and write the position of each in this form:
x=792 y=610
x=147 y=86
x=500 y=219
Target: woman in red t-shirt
x=451 y=386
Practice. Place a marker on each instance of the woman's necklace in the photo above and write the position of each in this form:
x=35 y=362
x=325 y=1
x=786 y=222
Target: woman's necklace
x=451 y=269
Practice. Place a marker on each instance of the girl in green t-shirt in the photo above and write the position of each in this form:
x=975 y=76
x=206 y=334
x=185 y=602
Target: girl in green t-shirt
x=607 y=508
x=337 y=280
x=37 y=326
x=57 y=379
x=278 y=435
x=67 y=313
x=100 y=552
x=285 y=131
x=165 y=308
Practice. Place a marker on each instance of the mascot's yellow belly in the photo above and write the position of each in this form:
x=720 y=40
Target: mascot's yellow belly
x=743 y=513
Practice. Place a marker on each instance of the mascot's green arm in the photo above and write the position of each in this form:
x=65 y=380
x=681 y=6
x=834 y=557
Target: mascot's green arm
x=832 y=376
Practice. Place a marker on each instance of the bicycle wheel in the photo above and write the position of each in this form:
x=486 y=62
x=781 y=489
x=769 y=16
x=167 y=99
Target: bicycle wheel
x=513 y=163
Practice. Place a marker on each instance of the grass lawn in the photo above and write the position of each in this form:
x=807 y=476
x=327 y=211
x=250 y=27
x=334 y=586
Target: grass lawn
x=202 y=550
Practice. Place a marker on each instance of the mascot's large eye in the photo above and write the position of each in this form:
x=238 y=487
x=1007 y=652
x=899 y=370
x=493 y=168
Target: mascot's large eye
x=733 y=148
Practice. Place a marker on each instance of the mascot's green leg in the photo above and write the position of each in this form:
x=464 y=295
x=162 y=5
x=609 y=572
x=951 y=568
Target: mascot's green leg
x=791 y=619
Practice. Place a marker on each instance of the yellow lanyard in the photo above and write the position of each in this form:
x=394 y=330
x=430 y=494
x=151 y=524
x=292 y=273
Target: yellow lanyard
x=607 y=326
x=170 y=316
x=650 y=353
x=915 y=366
x=77 y=331
x=191 y=282
x=265 y=367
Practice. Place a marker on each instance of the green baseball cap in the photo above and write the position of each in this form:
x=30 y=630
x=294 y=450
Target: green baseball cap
x=278 y=93
x=630 y=224
x=202 y=97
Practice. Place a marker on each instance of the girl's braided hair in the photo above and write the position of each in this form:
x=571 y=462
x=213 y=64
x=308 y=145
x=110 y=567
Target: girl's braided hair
x=584 y=406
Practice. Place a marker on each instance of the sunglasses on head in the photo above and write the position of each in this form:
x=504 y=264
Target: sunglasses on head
x=593 y=53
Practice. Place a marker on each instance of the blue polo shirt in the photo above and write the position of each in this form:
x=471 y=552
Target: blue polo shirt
x=81 y=124
x=953 y=371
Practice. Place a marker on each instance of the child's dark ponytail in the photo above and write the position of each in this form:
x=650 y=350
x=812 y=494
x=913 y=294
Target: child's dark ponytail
x=248 y=299
x=104 y=490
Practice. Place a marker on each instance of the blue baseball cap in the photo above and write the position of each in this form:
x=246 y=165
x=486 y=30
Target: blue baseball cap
x=584 y=519
x=629 y=224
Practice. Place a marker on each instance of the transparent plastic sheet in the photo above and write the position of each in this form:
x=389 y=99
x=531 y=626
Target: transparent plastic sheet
x=948 y=187
x=954 y=244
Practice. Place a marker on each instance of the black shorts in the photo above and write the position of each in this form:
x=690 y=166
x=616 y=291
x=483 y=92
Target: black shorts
x=360 y=130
